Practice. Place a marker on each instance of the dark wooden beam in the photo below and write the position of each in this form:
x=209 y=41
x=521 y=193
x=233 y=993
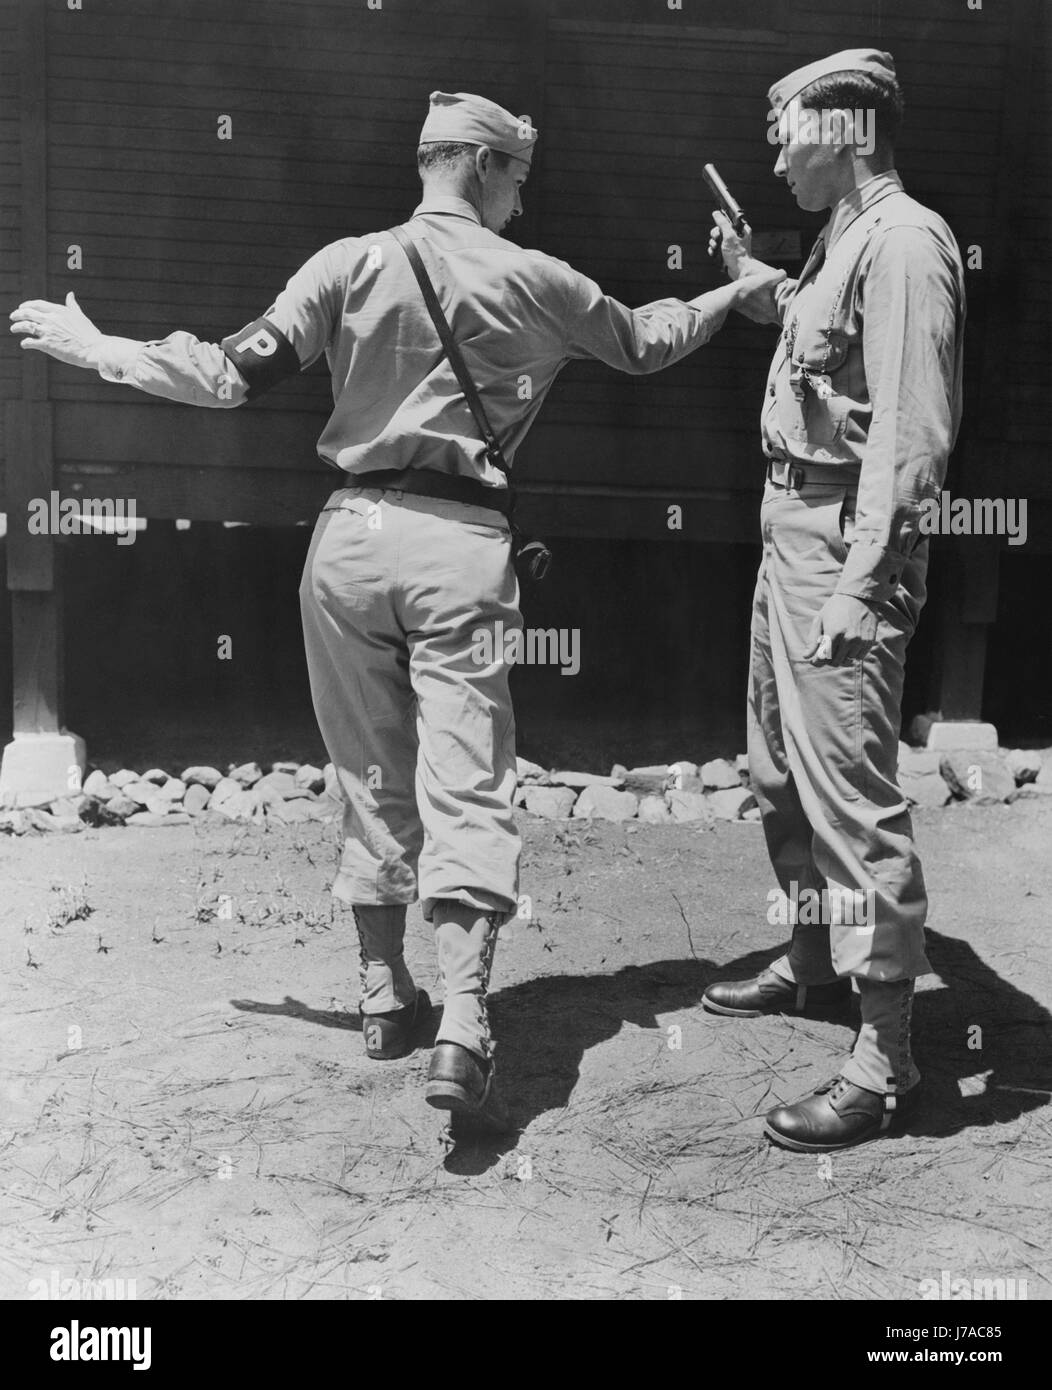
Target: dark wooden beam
x=35 y=600
x=968 y=588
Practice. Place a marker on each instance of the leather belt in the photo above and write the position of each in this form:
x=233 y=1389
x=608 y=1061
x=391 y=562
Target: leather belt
x=426 y=482
x=789 y=474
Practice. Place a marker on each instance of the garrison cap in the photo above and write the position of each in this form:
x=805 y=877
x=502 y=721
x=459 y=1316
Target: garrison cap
x=473 y=120
x=870 y=61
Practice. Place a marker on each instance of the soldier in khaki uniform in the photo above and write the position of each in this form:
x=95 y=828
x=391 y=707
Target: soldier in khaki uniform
x=411 y=556
x=862 y=408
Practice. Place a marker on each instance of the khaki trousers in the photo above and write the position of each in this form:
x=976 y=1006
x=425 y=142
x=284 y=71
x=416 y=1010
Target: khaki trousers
x=420 y=731
x=823 y=748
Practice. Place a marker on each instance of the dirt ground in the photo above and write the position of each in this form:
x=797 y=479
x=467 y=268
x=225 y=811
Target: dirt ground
x=187 y=1104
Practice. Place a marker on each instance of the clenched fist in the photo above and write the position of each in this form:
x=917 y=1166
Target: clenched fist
x=844 y=631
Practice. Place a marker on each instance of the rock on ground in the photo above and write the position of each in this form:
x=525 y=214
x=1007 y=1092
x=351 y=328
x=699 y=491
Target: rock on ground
x=688 y=806
x=980 y=777
x=247 y=775
x=677 y=772
x=283 y=783
x=644 y=781
x=720 y=775
x=244 y=805
x=605 y=803
x=1024 y=764
x=732 y=802
x=209 y=777
x=553 y=803
x=196 y=799
x=653 y=810
x=98 y=785
x=310 y=778
x=566 y=778
x=225 y=788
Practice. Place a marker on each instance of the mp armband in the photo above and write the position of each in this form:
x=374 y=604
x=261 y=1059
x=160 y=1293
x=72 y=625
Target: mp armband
x=262 y=354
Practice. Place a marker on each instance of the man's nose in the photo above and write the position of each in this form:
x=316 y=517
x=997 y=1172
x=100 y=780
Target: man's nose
x=780 y=168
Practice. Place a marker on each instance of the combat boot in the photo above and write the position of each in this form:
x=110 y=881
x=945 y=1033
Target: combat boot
x=838 y=1115
x=464 y=1084
x=768 y=993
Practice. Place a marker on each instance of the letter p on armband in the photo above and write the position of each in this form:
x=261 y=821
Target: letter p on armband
x=262 y=354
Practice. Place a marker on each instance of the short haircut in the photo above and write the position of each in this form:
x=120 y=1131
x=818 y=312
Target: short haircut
x=449 y=154
x=858 y=91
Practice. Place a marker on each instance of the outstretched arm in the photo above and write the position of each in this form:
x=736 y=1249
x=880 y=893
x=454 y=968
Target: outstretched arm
x=292 y=333
x=658 y=334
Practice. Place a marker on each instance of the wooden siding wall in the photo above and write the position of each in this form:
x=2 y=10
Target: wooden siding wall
x=181 y=229
x=10 y=202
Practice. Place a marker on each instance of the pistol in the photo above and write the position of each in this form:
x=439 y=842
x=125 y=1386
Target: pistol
x=726 y=200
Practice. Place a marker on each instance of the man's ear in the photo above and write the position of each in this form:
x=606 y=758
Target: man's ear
x=841 y=126
x=483 y=162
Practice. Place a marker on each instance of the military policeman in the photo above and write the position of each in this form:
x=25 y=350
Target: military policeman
x=862 y=409
x=410 y=558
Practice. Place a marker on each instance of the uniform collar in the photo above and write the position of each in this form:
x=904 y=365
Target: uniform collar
x=856 y=202
x=444 y=204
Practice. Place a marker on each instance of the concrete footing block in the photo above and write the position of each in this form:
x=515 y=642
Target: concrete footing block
x=40 y=768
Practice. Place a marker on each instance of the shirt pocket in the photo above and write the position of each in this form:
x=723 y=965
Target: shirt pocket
x=822 y=411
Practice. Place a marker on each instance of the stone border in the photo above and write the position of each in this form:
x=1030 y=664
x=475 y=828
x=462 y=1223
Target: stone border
x=663 y=794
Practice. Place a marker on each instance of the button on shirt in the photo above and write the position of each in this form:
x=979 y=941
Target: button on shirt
x=517 y=315
x=867 y=372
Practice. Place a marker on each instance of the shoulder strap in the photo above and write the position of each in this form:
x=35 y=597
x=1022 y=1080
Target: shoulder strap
x=494 y=453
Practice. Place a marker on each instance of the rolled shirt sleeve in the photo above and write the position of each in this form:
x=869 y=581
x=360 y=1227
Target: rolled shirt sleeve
x=912 y=314
x=183 y=368
x=633 y=340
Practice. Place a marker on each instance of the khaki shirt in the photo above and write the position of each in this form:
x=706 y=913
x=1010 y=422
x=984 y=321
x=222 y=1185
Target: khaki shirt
x=518 y=316
x=867 y=371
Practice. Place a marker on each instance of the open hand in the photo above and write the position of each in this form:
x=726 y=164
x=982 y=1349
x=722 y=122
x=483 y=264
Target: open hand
x=63 y=331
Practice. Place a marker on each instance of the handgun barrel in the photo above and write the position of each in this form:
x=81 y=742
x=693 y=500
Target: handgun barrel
x=724 y=196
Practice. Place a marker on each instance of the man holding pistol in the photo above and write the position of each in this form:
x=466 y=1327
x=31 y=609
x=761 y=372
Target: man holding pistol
x=861 y=412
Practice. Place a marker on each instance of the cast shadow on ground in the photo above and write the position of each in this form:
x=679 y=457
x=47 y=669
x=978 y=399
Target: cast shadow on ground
x=1011 y=1068
x=294 y=1008
x=545 y=1026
